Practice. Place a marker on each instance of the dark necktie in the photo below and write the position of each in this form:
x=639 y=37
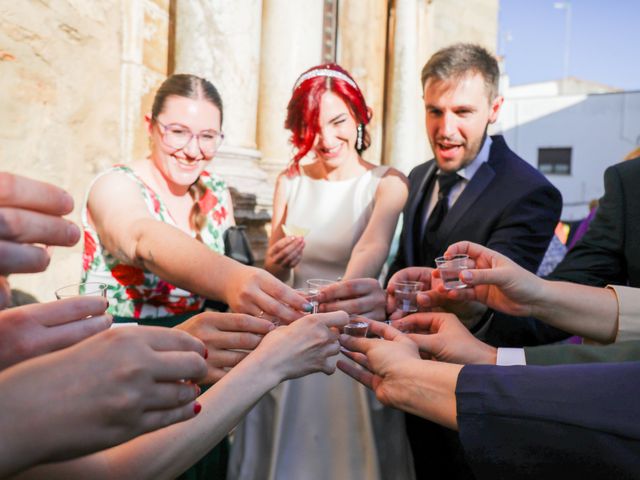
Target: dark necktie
x=446 y=182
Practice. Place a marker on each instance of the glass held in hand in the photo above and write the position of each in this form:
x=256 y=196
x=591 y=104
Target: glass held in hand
x=405 y=294
x=311 y=296
x=319 y=283
x=358 y=326
x=450 y=268
x=82 y=289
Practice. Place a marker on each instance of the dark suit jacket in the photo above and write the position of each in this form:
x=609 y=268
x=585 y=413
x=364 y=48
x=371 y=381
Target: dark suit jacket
x=609 y=253
x=508 y=206
x=568 y=421
x=628 y=351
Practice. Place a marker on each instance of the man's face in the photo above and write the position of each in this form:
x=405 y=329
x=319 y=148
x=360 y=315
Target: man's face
x=458 y=113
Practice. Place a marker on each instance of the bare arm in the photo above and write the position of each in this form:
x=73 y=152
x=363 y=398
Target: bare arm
x=372 y=248
x=303 y=347
x=503 y=285
x=131 y=234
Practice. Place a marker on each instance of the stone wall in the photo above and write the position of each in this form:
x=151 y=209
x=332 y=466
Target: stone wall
x=69 y=105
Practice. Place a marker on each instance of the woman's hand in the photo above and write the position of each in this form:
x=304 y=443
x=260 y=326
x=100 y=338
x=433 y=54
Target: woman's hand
x=228 y=337
x=359 y=296
x=39 y=328
x=306 y=346
x=496 y=281
x=101 y=392
x=256 y=292
x=286 y=253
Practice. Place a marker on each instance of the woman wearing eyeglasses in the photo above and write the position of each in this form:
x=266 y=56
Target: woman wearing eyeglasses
x=153 y=233
x=154 y=229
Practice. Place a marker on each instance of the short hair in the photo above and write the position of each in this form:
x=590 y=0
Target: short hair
x=456 y=61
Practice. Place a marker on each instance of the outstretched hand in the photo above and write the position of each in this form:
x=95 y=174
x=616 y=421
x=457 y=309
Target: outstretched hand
x=380 y=358
x=39 y=328
x=30 y=219
x=228 y=337
x=359 y=296
x=496 y=281
x=441 y=336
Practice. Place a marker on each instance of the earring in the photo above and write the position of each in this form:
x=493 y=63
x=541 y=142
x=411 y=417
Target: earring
x=359 y=137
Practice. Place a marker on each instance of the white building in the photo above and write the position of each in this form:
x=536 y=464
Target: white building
x=571 y=130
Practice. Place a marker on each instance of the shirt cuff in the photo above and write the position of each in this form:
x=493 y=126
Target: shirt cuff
x=511 y=356
x=628 y=312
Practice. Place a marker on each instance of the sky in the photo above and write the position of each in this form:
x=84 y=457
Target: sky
x=604 y=43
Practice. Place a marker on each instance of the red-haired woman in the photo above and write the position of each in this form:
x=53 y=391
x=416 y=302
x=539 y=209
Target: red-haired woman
x=339 y=214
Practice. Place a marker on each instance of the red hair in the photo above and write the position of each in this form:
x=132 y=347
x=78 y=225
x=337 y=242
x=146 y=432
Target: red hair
x=303 y=109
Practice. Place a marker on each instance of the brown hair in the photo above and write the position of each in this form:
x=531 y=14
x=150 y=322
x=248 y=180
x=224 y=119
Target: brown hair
x=196 y=88
x=456 y=61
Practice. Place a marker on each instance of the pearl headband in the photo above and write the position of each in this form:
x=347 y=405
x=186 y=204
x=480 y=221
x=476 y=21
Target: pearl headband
x=325 y=72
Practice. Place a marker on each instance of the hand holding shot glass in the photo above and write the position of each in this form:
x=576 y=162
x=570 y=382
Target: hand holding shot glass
x=450 y=268
x=82 y=289
x=358 y=326
x=405 y=294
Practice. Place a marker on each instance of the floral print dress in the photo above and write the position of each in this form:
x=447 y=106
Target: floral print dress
x=136 y=294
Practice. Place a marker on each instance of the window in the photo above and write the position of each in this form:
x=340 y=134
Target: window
x=554 y=161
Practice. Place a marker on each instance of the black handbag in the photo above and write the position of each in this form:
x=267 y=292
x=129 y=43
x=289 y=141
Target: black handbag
x=236 y=245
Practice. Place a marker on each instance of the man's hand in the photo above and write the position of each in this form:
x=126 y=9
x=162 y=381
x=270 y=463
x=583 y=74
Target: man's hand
x=440 y=336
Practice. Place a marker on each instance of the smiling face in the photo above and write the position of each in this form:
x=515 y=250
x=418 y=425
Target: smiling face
x=458 y=114
x=335 y=142
x=182 y=167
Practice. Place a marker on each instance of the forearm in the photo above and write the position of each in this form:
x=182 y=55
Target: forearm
x=427 y=389
x=366 y=261
x=166 y=453
x=587 y=311
x=179 y=259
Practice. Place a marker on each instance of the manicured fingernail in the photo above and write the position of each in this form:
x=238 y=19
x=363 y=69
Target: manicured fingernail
x=466 y=276
x=206 y=353
x=307 y=307
x=196 y=408
x=198 y=389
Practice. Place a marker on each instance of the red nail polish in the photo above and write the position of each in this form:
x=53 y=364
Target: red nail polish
x=206 y=353
x=198 y=389
x=196 y=408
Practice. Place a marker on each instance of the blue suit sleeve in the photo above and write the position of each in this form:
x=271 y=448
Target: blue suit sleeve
x=549 y=422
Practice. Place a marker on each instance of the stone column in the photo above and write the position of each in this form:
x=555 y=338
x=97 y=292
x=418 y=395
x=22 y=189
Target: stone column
x=362 y=45
x=220 y=40
x=291 y=43
x=402 y=134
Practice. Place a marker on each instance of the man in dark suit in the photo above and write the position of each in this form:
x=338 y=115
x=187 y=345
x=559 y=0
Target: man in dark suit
x=474 y=189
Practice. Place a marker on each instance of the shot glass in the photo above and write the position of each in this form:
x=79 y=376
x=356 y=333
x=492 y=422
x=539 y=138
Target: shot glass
x=310 y=295
x=82 y=289
x=357 y=326
x=450 y=268
x=405 y=294
x=319 y=283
